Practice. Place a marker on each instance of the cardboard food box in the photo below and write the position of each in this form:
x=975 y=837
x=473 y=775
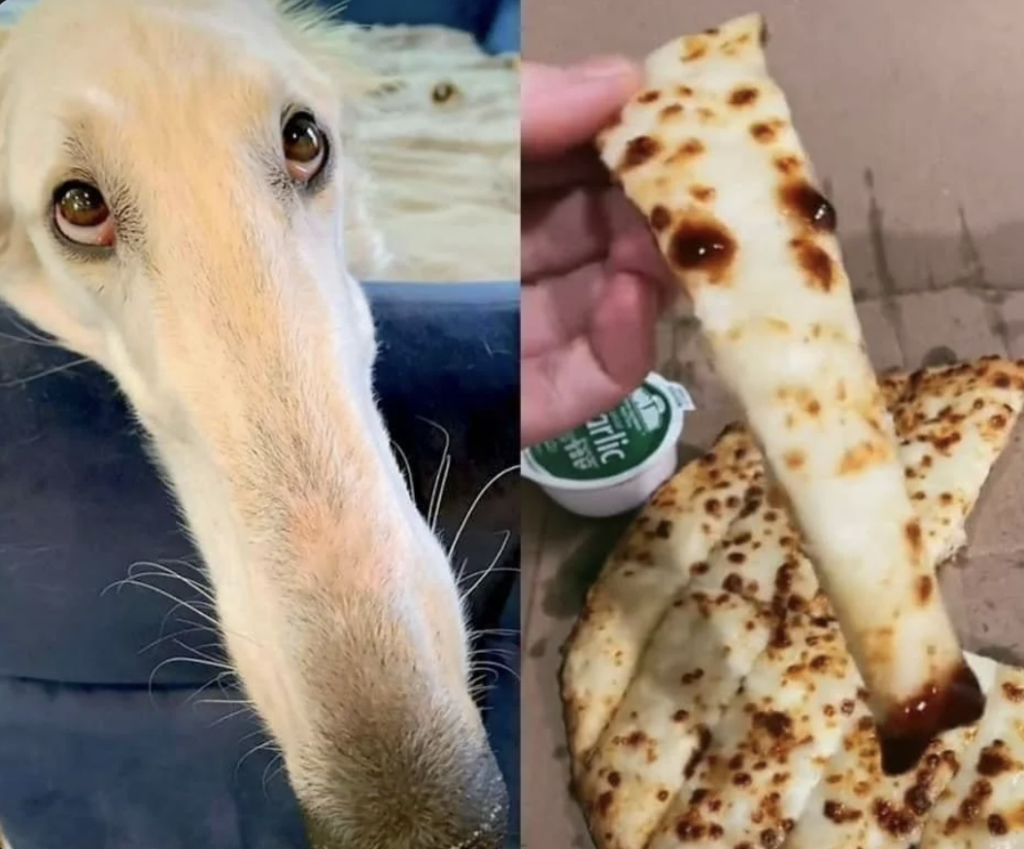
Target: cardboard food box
x=912 y=115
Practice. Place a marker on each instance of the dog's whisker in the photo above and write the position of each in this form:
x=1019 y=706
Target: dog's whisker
x=492 y=568
x=163 y=570
x=36 y=336
x=125 y=582
x=441 y=478
x=196 y=661
x=217 y=680
x=498 y=650
x=475 y=503
x=239 y=701
x=40 y=342
x=165 y=637
x=188 y=582
x=259 y=732
x=497 y=667
x=179 y=620
x=406 y=467
x=197 y=651
x=46 y=372
x=495 y=632
x=220 y=720
x=187 y=564
x=260 y=747
x=447 y=467
x=269 y=776
x=193 y=606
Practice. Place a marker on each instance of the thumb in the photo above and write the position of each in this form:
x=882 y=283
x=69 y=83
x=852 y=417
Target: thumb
x=563 y=108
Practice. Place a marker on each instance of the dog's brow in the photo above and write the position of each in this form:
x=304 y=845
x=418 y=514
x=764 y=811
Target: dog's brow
x=87 y=165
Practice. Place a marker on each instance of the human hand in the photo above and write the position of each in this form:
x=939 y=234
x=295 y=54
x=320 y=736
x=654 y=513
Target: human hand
x=594 y=281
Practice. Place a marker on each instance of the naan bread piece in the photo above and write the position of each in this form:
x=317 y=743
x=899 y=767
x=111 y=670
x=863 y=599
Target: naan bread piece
x=953 y=423
x=678 y=529
x=769 y=750
x=659 y=734
x=438 y=138
x=855 y=806
x=688 y=662
x=983 y=807
x=696 y=660
x=709 y=153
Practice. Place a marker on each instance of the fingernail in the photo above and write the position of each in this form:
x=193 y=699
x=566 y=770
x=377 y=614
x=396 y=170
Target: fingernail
x=605 y=66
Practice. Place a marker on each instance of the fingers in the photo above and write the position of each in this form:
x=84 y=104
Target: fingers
x=563 y=232
x=589 y=327
x=566 y=386
x=559 y=310
x=579 y=167
x=623 y=333
x=563 y=108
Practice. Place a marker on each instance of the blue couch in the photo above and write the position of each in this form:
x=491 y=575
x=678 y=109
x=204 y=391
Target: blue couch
x=94 y=752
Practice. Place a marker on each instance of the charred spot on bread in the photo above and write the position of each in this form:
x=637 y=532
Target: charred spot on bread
x=639 y=150
x=689 y=149
x=660 y=218
x=809 y=206
x=815 y=261
x=743 y=96
x=702 y=194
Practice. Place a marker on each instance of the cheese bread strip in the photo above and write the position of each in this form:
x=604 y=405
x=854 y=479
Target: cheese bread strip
x=768 y=752
x=708 y=641
x=709 y=154
x=953 y=423
x=679 y=528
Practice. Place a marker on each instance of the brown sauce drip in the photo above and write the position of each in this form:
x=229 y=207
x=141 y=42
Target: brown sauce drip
x=807 y=204
x=702 y=245
x=910 y=729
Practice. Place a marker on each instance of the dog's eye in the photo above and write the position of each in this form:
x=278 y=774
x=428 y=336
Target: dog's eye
x=305 y=146
x=82 y=215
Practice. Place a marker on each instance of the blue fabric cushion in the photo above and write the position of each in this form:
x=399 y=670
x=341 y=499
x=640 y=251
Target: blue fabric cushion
x=504 y=35
x=94 y=754
x=495 y=23
x=473 y=16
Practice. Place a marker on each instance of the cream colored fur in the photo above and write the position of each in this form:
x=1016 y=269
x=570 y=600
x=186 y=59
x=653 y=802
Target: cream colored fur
x=232 y=323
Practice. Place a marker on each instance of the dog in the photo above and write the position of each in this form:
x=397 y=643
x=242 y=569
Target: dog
x=180 y=203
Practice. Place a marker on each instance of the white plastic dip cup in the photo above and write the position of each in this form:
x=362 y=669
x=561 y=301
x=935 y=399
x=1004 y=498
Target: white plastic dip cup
x=616 y=461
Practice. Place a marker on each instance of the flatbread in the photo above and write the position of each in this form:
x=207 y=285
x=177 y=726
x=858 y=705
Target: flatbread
x=678 y=528
x=439 y=138
x=688 y=631
x=709 y=153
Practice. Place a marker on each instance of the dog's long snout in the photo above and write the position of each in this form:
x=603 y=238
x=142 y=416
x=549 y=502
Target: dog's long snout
x=422 y=793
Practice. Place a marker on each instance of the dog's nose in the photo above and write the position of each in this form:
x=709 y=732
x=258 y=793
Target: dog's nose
x=481 y=814
x=455 y=802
